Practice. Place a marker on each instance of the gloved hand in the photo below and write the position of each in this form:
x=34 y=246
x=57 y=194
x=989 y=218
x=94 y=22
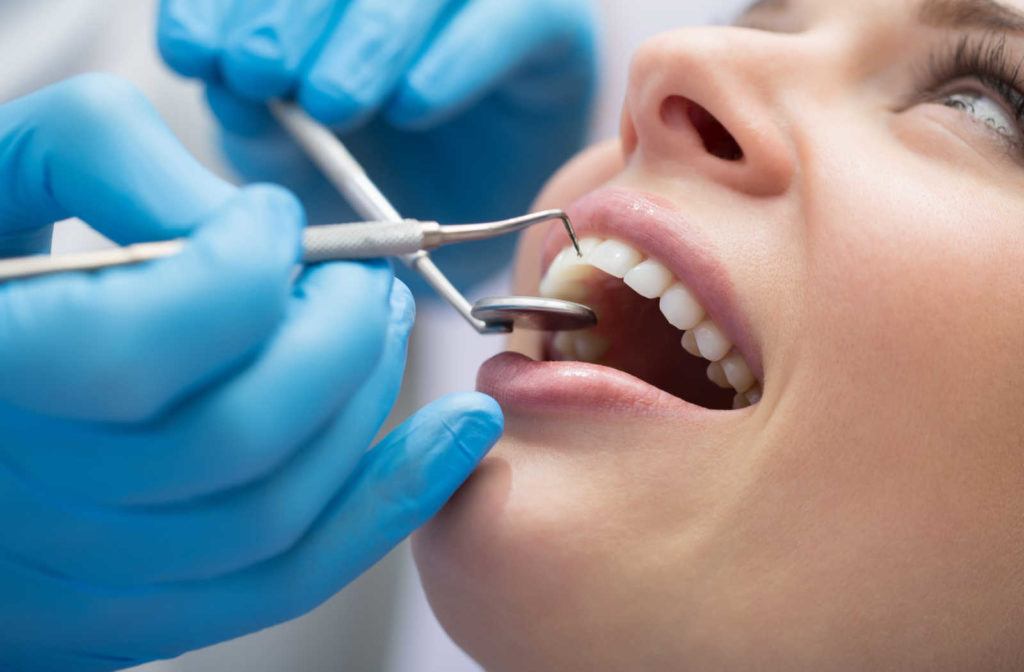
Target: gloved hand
x=183 y=445
x=459 y=109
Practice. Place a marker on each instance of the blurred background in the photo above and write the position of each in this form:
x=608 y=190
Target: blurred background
x=382 y=622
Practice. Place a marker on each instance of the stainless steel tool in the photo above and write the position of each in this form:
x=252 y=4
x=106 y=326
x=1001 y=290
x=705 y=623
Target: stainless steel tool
x=489 y=316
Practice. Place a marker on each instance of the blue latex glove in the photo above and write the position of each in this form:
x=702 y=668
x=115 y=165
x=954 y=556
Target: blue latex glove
x=183 y=445
x=459 y=109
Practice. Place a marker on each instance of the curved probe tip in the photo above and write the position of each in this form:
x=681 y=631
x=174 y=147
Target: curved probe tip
x=572 y=233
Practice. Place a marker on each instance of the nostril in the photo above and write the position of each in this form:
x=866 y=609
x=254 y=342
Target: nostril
x=678 y=112
x=717 y=139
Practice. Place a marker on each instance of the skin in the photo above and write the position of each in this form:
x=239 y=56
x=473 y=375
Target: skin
x=868 y=514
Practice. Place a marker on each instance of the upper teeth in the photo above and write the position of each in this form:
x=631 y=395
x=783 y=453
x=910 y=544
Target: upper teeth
x=565 y=279
x=614 y=258
x=571 y=269
x=649 y=279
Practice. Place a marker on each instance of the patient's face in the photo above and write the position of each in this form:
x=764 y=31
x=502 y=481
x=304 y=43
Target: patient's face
x=834 y=196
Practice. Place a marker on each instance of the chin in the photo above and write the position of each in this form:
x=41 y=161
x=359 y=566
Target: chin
x=501 y=572
x=468 y=577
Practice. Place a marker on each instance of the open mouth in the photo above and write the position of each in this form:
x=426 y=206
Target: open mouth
x=651 y=324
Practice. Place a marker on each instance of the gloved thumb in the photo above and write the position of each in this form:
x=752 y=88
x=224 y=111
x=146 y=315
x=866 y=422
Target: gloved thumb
x=404 y=480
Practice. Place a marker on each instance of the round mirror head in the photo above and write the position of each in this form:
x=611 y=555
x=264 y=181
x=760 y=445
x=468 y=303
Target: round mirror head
x=530 y=312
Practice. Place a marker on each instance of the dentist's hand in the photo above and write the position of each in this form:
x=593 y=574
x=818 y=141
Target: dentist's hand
x=183 y=445
x=460 y=109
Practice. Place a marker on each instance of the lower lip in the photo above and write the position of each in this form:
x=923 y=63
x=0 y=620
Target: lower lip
x=519 y=383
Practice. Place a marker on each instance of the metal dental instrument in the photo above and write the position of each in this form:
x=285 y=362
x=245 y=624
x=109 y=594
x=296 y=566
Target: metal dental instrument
x=488 y=316
x=387 y=235
x=334 y=242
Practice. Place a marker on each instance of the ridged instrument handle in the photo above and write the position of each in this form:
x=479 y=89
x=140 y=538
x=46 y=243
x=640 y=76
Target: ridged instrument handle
x=333 y=242
x=372 y=240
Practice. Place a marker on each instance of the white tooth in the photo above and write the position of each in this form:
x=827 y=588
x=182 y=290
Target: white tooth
x=589 y=347
x=564 y=275
x=754 y=394
x=717 y=375
x=740 y=401
x=680 y=308
x=587 y=245
x=712 y=342
x=690 y=344
x=737 y=372
x=551 y=288
x=649 y=279
x=614 y=258
x=565 y=345
x=570 y=266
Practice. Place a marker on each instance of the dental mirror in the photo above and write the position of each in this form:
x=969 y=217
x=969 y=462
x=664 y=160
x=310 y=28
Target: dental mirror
x=531 y=312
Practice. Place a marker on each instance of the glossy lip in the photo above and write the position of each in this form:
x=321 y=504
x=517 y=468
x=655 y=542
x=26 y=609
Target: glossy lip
x=658 y=229
x=521 y=384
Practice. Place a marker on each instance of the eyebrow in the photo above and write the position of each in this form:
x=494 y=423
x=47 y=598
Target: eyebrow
x=984 y=14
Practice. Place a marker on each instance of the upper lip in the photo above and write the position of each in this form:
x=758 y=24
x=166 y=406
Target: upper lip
x=659 y=229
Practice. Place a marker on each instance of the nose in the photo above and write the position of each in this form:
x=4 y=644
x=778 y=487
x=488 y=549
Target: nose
x=702 y=100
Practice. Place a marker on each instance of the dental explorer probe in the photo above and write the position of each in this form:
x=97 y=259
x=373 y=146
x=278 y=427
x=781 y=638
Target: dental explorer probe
x=487 y=316
x=333 y=242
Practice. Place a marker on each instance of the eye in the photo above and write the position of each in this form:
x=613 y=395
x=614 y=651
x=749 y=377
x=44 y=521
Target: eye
x=986 y=109
x=980 y=77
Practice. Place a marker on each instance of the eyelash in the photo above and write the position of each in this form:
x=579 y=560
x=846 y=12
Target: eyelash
x=984 y=59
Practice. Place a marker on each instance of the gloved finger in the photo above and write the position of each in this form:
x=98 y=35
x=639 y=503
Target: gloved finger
x=267 y=41
x=364 y=56
x=335 y=389
x=317 y=365
x=125 y=344
x=239 y=116
x=397 y=487
x=269 y=429
x=189 y=35
x=466 y=61
x=94 y=147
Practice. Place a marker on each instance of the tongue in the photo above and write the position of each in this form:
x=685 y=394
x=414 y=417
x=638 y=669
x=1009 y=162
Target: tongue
x=645 y=345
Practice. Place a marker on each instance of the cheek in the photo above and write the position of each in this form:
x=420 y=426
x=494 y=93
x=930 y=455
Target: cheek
x=899 y=408
x=919 y=285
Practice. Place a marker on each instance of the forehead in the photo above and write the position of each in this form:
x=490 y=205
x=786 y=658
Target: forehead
x=1001 y=15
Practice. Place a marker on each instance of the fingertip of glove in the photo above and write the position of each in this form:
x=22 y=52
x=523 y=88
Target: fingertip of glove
x=331 y=105
x=237 y=115
x=403 y=305
x=277 y=200
x=477 y=423
x=260 y=229
x=411 y=110
x=183 y=51
x=282 y=208
x=256 y=69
